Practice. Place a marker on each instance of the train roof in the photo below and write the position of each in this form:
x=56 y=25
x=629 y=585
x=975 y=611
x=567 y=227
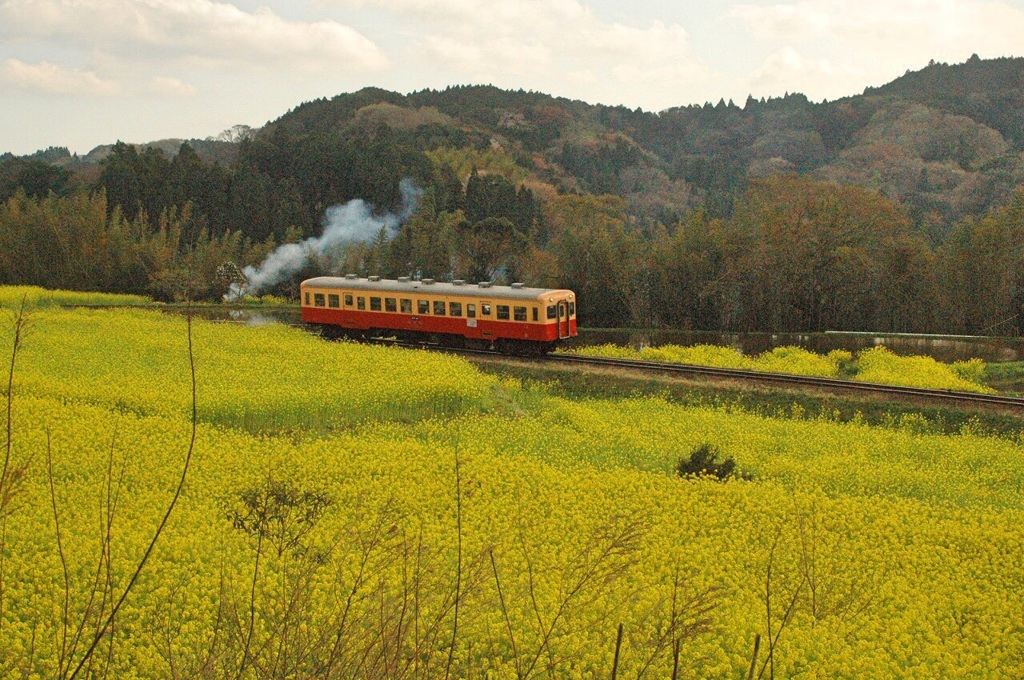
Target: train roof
x=430 y=287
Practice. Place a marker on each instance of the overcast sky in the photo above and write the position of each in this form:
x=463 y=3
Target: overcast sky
x=80 y=73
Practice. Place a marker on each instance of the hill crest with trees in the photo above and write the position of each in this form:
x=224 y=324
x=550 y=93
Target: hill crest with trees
x=670 y=218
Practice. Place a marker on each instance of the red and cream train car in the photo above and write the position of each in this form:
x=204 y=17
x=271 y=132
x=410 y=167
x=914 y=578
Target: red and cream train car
x=512 y=319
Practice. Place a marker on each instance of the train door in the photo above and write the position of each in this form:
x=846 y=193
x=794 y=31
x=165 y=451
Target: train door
x=563 y=320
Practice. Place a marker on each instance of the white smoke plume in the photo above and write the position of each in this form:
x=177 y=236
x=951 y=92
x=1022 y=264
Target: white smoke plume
x=353 y=222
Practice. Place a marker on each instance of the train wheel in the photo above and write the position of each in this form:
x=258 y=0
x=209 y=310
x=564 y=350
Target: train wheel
x=518 y=348
x=452 y=341
x=329 y=332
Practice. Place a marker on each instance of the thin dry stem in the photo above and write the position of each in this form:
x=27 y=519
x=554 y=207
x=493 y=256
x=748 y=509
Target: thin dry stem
x=163 y=522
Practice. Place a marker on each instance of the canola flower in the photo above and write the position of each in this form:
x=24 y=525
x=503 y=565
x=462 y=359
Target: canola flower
x=273 y=378
x=338 y=546
x=877 y=365
x=34 y=296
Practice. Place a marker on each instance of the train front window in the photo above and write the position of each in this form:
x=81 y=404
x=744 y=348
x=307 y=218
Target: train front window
x=361 y=303
x=503 y=312
x=375 y=304
x=572 y=309
x=485 y=309
x=519 y=313
x=406 y=306
x=423 y=306
x=438 y=307
x=318 y=299
x=333 y=301
x=390 y=305
x=348 y=299
x=552 y=313
x=470 y=311
x=454 y=309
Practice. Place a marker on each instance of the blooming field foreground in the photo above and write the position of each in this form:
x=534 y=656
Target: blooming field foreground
x=11 y=297
x=370 y=512
x=875 y=365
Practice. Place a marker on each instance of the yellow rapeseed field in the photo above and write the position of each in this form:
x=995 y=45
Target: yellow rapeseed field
x=875 y=365
x=369 y=512
x=11 y=297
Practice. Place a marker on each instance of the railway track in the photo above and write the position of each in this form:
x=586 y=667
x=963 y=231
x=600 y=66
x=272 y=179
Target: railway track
x=831 y=384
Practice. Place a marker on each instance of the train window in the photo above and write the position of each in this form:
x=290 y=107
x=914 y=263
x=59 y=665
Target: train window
x=536 y=315
x=375 y=304
x=390 y=305
x=406 y=306
x=438 y=307
x=519 y=313
x=503 y=312
x=454 y=309
x=360 y=302
x=470 y=311
x=318 y=299
x=307 y=298
x=423 y=306
x=333 y=301
x=572 y=309
x=552 y=314
x=485 y=309
x=348 y=299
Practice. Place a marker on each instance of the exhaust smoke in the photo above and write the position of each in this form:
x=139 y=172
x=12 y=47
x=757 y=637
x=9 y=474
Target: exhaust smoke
x=353 y=222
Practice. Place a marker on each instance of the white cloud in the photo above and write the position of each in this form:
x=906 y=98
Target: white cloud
x=890 y=28
x=558 y=46
x=856 y=43
x=171 y=88
x=55 y=79
x=790 y=70
x=201 y=29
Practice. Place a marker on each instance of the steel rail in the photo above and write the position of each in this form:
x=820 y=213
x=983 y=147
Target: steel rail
x=744 y=374
x=790 y=379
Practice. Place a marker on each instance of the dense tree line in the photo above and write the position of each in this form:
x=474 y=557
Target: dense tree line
x=796 y=254
x=874 y=212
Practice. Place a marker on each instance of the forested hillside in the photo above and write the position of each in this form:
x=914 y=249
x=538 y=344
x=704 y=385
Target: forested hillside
x=899 y=209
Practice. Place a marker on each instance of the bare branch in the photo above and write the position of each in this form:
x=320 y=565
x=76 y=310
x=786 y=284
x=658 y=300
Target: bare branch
x=166 y=517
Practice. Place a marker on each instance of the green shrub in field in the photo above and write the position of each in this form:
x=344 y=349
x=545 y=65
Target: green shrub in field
x=703 y=462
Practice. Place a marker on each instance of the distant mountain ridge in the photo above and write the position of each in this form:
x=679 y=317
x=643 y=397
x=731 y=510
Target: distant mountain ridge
x=946 y=141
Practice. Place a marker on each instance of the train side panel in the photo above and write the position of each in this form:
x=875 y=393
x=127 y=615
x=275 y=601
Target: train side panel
x=478 y=329
x=540 y=317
